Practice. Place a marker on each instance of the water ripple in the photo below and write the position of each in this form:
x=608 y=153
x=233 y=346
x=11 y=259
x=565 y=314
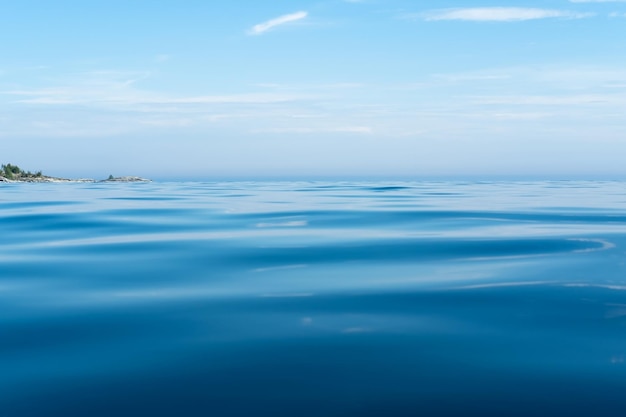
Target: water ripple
x=312 y=298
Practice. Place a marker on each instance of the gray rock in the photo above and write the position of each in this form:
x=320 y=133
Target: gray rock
x=126 y=179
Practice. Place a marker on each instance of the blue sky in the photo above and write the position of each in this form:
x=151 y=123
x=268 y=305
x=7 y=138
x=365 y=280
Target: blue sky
x=254 y=89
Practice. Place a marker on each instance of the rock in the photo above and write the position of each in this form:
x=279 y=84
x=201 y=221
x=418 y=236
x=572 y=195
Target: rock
x=126 y=179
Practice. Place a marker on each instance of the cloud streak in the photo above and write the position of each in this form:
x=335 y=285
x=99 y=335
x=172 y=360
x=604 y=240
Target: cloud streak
x=597 y=1
x=311 y=130
x=499 y=14
x=278 y=21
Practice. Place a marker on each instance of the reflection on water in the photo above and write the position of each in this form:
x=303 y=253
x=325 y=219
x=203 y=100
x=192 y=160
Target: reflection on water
x=233 y=299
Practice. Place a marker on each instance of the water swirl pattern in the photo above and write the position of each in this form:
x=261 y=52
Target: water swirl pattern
x=313 y=299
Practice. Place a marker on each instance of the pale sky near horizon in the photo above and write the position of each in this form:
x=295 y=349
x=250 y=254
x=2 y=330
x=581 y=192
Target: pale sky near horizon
x=339 y=88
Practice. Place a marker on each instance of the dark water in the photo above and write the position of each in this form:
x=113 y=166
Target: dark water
x=313 y=299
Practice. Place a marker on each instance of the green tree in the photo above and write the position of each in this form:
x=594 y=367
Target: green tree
x=9 y=170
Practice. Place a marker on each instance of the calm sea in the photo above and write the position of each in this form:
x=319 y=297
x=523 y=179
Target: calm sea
x=313 y=299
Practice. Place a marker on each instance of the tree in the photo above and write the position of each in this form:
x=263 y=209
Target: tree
x=10 y=170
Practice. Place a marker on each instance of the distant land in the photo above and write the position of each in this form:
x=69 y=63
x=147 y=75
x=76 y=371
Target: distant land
x=13 y=173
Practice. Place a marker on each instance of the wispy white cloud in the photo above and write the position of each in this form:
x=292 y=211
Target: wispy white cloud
x=500 y=14
x=67 y=97
x=114 y=102
x=557 y=100
x=309 y=130
x=564 y=78
x=278 y=21
x=102 y=92
x=476 y=76
x=597 y=1
x=100 y=103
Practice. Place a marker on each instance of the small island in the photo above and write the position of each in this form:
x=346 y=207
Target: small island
x=13 y=173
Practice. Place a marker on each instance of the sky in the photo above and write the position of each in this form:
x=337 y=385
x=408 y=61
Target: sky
x=196 y=89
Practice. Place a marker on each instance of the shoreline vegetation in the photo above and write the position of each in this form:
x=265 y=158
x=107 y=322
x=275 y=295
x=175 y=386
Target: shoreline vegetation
x=13 y=173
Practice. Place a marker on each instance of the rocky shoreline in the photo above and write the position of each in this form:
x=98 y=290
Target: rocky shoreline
x=13 y=173
x=46 y=179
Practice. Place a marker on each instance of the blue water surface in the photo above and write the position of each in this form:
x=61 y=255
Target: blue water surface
x=313 y=299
